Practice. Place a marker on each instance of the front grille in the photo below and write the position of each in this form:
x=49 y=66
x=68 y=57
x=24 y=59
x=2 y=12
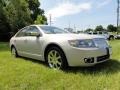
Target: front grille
x=102 y=58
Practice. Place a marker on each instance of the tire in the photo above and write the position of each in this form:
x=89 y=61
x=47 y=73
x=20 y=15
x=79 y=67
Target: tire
x=14 y=52
x=55 y=58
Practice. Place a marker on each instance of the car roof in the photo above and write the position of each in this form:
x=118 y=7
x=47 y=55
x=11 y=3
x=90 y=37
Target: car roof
x=38 y=25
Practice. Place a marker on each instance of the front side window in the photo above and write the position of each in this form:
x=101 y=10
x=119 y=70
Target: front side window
x=32 y=31
x=52 y=30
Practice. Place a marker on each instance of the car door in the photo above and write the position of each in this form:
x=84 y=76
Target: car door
x=33 y=43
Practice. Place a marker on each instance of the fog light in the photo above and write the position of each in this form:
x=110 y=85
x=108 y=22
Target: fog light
x=89 y=60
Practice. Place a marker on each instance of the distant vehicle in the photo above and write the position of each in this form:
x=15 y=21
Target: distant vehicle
x=117 y=37
x=69 y=30
x=105 y=34
x=58 y=47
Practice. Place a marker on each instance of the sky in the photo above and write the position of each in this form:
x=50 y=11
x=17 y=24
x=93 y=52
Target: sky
x=80 y=14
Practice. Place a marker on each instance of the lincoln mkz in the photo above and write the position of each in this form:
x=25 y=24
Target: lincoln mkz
x=59 y=48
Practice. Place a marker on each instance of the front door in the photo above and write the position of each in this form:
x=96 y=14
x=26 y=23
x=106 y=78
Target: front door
x=33 y=43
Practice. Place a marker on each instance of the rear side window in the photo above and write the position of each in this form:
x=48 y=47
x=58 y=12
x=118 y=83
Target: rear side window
x=22 y=32
x=28 y=31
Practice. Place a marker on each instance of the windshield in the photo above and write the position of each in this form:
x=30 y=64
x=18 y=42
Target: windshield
x=52 y=30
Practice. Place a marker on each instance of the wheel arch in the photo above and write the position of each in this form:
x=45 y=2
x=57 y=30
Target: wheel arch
x=54 y=45
x=12 y=47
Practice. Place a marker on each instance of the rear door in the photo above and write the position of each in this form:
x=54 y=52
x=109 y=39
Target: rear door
x=20 y=41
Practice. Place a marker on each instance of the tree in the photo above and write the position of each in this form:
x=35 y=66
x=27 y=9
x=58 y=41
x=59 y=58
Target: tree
x=15 y=14
x=18 y=15
x=89 y=30
x=4 y=25
x=99 y=28
x=118 y=29
x=111 y=28
x=36 y=11
x=41 y=20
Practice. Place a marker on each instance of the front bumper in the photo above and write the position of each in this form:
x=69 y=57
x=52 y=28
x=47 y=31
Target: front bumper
x=87 y=56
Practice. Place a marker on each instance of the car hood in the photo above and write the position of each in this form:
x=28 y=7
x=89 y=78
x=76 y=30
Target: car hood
x=73 y=36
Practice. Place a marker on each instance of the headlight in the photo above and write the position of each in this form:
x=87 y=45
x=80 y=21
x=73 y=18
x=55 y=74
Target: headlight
x=86 y=43
x=101 y=42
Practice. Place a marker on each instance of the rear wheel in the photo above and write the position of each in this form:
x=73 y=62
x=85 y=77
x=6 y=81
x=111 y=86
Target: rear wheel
x=14 y=52
x=56 y=58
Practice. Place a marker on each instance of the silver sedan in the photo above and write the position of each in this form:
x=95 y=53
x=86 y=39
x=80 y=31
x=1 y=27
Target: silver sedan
x=59 y=48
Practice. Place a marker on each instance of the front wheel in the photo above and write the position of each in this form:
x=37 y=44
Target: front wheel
x=56 y=58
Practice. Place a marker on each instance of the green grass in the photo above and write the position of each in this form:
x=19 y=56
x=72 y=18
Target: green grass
x=27 y=74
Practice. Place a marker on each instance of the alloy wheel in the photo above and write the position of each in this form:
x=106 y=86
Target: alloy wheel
x=54 y=59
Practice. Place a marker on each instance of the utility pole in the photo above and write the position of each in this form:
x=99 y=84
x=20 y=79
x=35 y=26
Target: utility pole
x=50 y=19
x=69 y=25
x=118 y=9
x=75 y=28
